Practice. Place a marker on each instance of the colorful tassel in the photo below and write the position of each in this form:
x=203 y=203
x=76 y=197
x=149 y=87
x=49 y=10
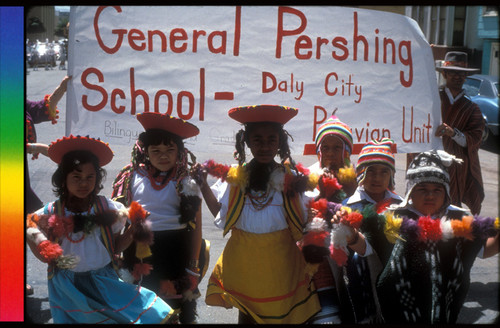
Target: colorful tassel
x=392 y=227
x=141 y=269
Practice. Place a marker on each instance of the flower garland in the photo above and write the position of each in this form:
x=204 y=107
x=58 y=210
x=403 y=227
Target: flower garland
x=279 y=180
x=50 y=251
x=55 y=227
x=423 y=229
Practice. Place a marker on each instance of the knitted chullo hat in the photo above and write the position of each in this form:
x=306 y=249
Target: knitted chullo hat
x=429 y=166
x=334 y=127
x=376 y=152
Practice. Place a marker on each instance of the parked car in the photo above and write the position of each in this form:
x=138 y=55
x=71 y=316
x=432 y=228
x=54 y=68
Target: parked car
x=483 y=90
x=41 y=54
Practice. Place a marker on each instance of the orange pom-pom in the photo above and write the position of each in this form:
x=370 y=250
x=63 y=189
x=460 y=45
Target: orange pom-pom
x=49 y=251
x=141 y=269
x=32 y=220
x=167 y=288
x=463 y=228
x=137 y=212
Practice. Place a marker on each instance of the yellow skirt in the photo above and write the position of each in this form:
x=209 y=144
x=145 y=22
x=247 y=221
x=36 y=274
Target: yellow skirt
x=265 y=276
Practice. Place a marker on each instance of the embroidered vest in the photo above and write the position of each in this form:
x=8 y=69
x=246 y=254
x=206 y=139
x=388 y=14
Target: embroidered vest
x=291 y=204
x=99 y=206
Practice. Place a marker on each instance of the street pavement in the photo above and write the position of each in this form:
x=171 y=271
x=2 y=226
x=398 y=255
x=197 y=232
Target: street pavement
x=481 y=305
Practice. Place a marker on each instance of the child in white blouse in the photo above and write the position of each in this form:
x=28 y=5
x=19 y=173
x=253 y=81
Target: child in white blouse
x=79 y=236
x=261 y=270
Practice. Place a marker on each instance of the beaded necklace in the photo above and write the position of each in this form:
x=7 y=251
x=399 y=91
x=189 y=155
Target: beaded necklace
x=160 y=178
x=86 y=224
x=260 y=199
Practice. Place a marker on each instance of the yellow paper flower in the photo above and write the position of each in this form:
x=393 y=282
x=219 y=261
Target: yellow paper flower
x=346 y=174
x=347 y=209
x=237 y=175
x=392 y=226
x=312 y=182
x=497 y=224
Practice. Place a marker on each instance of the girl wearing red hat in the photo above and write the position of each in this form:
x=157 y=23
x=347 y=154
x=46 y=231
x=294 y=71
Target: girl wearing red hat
x=79 y=235
x=261 y=270
x=158 y=178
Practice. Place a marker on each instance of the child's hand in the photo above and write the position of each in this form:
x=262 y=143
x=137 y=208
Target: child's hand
x=311 y=214
x=193 y=279
x=338 y=216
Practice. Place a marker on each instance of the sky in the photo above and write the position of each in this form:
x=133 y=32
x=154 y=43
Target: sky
x=62 y=8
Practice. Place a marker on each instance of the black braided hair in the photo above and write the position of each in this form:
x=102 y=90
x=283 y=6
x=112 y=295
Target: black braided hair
x=242 y=138
x=239 y=153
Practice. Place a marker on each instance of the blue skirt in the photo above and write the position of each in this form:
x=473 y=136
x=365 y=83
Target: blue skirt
x=100 y=296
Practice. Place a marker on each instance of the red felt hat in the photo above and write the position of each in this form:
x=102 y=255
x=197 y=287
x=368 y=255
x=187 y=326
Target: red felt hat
x=60 y=147
x=263 y=113
x=154 y=120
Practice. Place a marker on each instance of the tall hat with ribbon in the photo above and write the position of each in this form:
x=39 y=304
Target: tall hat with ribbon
x=100 y=149
x=456 y=61
x=177 y=126
x=429 y=166
x=335 y=127
x=376 y=152
x=263 y=113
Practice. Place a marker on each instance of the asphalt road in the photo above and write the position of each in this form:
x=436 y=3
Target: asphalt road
x=481 y=306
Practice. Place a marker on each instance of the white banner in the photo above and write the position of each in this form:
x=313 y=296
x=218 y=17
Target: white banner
x=195 y=63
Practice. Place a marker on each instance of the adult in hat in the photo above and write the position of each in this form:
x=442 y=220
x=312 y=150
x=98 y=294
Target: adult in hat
x=427 y=246
x=158 y=178
x=78 y=236
x=461 y=131
x=261 y=270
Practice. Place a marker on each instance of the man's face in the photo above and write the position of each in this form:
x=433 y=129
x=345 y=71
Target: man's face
x=454 y=79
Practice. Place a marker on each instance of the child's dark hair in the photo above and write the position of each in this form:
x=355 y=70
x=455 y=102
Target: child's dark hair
x=71 y=161
x=154 y=137
x=243 y=136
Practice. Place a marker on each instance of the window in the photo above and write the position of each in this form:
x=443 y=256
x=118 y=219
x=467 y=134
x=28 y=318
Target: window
x=490 y=10
x=471 y=87
x=459 y=26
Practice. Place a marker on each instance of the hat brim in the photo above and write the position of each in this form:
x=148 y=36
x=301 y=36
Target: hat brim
x=174 y=125
x=456 y=68
x=263 y=113
x=60 y=147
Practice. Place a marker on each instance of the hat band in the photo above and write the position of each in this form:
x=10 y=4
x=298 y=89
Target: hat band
x=455 y=63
